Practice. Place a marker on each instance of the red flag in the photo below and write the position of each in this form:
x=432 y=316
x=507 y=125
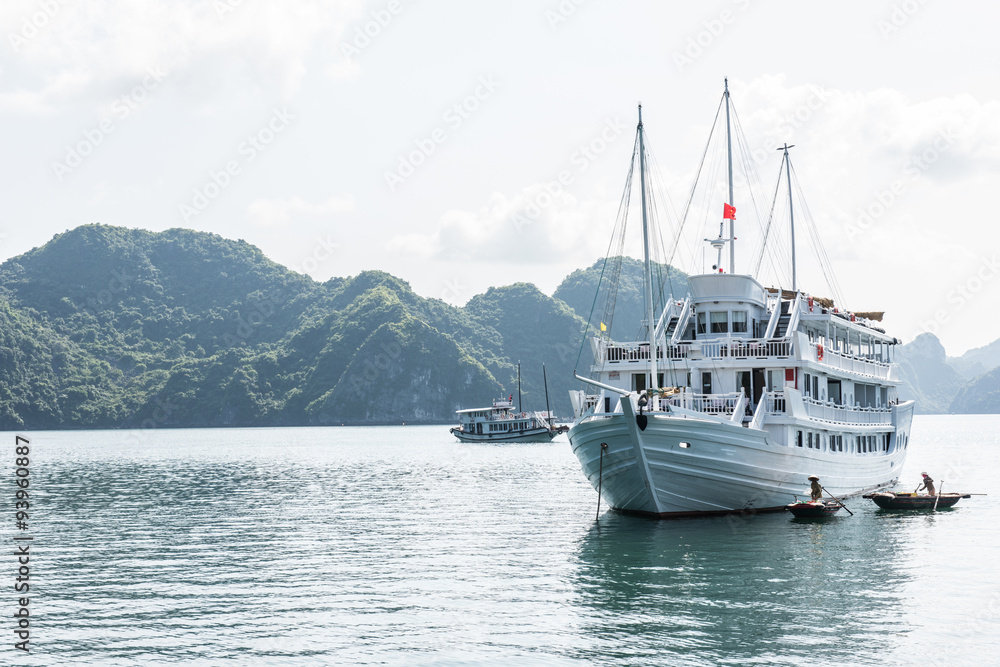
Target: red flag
x=728 y=212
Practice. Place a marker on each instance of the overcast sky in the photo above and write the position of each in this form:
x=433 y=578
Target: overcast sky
x=427 y=138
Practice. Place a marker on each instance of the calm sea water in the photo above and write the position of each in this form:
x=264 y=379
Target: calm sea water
x=401 y=546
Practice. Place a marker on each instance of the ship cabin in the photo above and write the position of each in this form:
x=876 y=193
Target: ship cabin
x=790 y=363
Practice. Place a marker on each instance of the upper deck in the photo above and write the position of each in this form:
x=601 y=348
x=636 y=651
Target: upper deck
x=731 y=320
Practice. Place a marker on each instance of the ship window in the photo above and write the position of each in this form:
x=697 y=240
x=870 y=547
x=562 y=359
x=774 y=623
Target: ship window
x=739 y=321
x=833 y=389
x=701 y=322
x=684 y=445
x=809 y=440
x=720 y=322
x=798 y=438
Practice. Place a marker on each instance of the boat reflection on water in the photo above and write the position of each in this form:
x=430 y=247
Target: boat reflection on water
x=733 y=590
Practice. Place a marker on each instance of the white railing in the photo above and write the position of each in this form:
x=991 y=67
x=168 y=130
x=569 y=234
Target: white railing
x=774 y=402
x=709 y=403
x=737 y=348
x=841 y=413
x=855 y=364
x=724 y=348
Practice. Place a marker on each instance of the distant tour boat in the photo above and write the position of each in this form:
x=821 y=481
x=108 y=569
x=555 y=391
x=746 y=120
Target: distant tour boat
x=502 y=423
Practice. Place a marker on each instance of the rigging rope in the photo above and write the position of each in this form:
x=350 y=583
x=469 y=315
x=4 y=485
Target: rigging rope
x=617 y=235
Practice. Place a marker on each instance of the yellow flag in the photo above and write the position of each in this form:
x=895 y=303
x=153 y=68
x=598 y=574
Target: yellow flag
x=603 y=328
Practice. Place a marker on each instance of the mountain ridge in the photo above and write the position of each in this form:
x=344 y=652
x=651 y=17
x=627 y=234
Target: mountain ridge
x=109 y=327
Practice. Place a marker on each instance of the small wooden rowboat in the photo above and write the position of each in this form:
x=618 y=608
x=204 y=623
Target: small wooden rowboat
x=889 y=500
x=812 y=509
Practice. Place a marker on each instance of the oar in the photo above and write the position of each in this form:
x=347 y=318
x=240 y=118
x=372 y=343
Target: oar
x=938 y=497
x=837 y=499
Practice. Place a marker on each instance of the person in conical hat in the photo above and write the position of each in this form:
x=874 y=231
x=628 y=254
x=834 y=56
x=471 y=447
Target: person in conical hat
x=815 y=490
x=927 y=484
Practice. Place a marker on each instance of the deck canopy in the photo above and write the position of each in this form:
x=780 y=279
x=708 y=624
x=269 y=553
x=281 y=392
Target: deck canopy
x=726 y=287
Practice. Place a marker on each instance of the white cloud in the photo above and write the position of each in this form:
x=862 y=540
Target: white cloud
x=87 y=51
x=283 y=212
x=529 y=227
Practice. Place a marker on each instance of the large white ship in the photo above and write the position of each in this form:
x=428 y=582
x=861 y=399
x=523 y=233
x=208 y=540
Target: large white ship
x=749 y=392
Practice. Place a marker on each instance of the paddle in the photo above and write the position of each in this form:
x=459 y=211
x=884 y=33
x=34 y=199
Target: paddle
x=838 y=500
x=938 y=497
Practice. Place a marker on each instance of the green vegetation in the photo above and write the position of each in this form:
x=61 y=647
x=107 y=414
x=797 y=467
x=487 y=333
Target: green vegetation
x=105 y=327
x=579 y=288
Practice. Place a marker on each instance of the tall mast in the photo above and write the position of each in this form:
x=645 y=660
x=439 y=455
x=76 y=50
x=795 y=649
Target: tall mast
x=732 y=222
x=648 y=275
x=791 y=213
x=545 y=383
x=519 y=387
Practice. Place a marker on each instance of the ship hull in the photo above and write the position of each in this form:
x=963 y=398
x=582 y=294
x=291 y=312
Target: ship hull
x=532 y=435
x=725 y=467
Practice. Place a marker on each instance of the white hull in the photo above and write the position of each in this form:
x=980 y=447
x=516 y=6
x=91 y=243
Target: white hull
x=727 y=467
x=532 y=435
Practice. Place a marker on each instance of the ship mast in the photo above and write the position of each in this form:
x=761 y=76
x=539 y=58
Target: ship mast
x=729 y=151
x=791 y=213
x=648 y=274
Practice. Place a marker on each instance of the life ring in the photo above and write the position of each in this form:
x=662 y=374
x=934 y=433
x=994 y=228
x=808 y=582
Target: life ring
x=819 y=351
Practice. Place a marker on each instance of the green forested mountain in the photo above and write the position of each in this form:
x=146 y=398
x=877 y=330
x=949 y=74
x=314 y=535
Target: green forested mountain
x=579 y=288
x=106 y=327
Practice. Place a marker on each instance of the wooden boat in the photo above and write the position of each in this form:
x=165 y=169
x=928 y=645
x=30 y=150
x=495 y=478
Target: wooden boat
x=889 y=500
x=503 y=423
x=813 y=509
